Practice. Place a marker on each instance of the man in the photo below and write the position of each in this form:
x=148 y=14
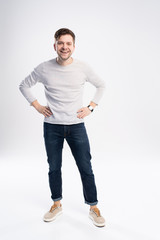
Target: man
x=64 y=78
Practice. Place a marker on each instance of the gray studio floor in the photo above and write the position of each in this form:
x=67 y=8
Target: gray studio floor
x=128 y=190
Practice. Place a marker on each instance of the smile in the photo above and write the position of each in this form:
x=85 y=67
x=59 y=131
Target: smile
x=64 y=52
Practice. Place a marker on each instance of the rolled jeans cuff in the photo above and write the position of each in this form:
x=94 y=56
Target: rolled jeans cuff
x=57 y=199
x=91 y=204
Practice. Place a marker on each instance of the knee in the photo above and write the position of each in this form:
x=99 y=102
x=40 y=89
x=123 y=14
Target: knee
x=54 y=168
x=86 y=170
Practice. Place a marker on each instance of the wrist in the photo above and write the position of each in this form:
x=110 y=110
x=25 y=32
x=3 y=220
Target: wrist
x=35 y=104
x=90 y=108
x=93 y=104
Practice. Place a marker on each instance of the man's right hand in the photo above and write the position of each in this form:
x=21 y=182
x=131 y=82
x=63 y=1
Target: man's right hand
x=42 y=109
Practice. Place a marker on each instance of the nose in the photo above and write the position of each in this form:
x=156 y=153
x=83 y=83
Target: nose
x=64 y=45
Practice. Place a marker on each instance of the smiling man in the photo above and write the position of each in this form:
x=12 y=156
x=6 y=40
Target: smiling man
x=64 y=78
x=64 y=48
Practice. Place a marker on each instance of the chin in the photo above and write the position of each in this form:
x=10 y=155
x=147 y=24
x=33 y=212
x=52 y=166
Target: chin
x=64 y=59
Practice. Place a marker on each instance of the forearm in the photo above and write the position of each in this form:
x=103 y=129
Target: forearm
x=25 y=88
x=41 y=109
x=35 y=104
x=93 y=104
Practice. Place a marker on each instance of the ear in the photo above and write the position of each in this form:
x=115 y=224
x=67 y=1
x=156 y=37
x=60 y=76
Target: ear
x=54 y=45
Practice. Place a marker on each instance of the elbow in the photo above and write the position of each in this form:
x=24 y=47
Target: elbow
x=20 y=88
x=102 y=87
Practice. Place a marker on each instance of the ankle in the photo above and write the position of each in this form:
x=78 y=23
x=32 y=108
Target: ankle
x=92 y=207
x=57 y=203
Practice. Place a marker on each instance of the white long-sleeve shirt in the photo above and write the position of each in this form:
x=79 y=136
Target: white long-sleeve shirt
x=63 y=88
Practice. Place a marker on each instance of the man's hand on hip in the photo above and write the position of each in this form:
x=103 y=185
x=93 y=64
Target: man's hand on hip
x=42 y=109
x=83 y=112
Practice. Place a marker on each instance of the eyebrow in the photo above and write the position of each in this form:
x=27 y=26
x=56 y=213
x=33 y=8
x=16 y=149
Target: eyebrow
x=63 y=42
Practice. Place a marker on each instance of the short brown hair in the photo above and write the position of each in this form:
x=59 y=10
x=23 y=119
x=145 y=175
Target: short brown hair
x=64 y=31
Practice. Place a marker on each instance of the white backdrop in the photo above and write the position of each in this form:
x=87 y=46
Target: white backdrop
x=120 y=40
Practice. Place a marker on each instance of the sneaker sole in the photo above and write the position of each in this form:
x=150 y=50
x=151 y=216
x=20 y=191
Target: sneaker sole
x=52 y=219
x=97 y=224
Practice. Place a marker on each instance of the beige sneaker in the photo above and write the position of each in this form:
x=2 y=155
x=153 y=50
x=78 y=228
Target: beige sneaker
x=53 y=213
x=95 y=216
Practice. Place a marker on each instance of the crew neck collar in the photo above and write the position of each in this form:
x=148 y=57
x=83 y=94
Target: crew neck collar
x=64 y=66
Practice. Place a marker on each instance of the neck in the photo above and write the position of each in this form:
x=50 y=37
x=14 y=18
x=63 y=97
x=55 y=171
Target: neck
x=64 y=62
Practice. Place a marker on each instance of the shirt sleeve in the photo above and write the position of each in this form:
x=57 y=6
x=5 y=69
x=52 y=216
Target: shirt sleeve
x=95 y=80
x=29 y=81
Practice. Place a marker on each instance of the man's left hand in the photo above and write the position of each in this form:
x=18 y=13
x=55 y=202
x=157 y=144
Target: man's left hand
x=83 y=112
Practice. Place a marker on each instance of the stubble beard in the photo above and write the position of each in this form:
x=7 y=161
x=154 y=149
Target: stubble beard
x=64 y=58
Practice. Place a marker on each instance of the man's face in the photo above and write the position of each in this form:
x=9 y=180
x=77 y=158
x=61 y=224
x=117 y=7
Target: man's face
x=64 y=47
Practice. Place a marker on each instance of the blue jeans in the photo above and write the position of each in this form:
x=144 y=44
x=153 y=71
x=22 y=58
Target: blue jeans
x=77 y=139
